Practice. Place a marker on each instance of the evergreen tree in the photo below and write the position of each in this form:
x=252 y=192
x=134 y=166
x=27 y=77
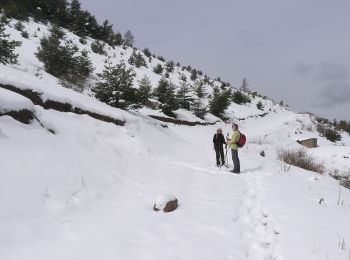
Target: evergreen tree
x=158 y=69
x=260 y=106
x=219 y=102
x=7 y=47
x=194 y=75
x=115 y=39
x=129 y=38
x=183 y=96
x=240 y=97
x=61 y=60
x=161 y=58
x=145 y=89
x=197 y=105
x=147 y=52
x=76 y=76
x=137 y=60
x=115 y=86
x=165 y=92
x=77 y=19
x=170 y=66
x=106 y=31
x=57 y=58
x=19 y=26
x=98 y=47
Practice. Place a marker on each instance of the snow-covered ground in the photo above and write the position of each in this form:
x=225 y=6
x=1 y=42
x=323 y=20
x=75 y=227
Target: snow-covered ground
x=87 y=191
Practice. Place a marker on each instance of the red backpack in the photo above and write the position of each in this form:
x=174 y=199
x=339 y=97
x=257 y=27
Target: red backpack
x=241 y=140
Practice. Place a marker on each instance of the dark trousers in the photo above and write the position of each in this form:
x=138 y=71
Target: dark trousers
x=219 y=150
x=235 y=159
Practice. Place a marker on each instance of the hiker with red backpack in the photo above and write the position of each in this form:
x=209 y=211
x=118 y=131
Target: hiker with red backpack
x=237 y=140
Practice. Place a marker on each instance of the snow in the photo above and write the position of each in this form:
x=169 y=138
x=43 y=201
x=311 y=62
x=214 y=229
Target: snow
x=183 y=114
x=10 y=101
x=87 y=191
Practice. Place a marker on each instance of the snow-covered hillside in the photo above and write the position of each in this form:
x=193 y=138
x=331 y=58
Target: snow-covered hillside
x=73 y=186
x=29 y=73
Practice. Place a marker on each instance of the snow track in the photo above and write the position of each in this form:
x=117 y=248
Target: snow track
x=259 y=230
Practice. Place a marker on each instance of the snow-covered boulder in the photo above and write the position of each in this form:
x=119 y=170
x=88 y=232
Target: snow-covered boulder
x=16 y=106
x=167 y=203
x=11 y=101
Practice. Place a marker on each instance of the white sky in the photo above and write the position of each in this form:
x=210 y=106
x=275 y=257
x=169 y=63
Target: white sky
x=292 y=50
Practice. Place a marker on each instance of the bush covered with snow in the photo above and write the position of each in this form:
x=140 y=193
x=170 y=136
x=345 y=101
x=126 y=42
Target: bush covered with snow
x=300 y=158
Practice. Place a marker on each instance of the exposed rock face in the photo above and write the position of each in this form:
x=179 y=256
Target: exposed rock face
x=23 y=116
x=167 y=203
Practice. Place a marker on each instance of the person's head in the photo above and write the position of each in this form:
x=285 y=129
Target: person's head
x=234 y=127
x=219 y=131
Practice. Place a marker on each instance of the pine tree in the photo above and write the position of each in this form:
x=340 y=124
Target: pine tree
x=183 y=96
x=165 y=92
x=170 y=66
x=98 y=47
x=244 y=86
x=77 y=19
x=240 y=97
x=158 y=69
x=137 y=60
x=61 y=60
x=147 y=52
x=57 y=58
x=76 y=76
x=129 y=38
x=115 y=86
x=197 y=105
x=219 y=102
x=260 y=105
x=194 y=75
x=145 y=89
x=7 y=47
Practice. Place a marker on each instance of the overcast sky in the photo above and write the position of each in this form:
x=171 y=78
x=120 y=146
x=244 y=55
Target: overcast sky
x=297 y=51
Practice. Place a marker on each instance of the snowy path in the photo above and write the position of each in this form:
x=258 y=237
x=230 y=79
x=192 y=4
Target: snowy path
x=259 y=229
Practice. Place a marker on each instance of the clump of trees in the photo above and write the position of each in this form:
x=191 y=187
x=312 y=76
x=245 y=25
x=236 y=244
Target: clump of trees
x=98 y=47
x=330 y=130
x=65 y=14
x=343 y=125
x=62 y=59
x=137 y=60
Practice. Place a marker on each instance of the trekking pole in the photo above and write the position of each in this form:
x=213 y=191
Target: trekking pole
x=226 y=159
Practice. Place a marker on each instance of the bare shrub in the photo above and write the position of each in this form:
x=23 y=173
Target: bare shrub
x=259 y=140
x=342 y=176
x=300 y=159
